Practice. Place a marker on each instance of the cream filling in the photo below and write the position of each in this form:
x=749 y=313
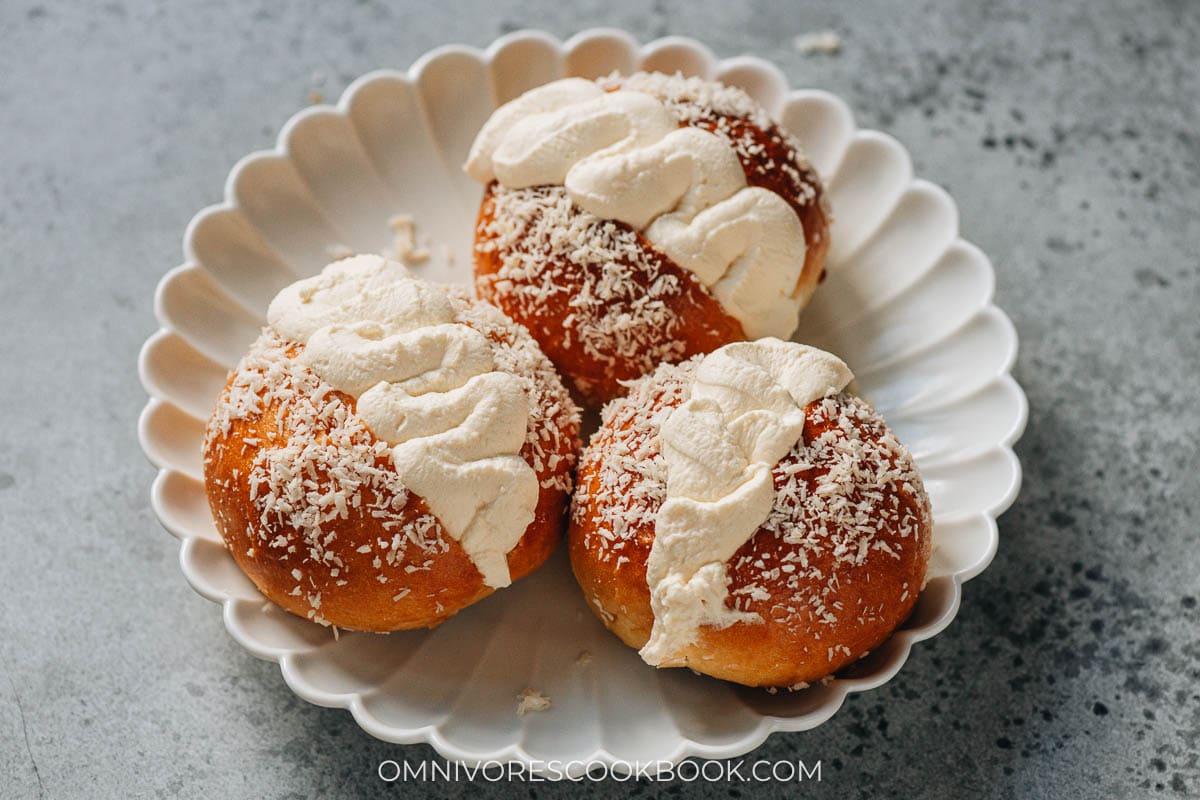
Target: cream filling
x=745 y=413
x=622 y=156
x=426 y=385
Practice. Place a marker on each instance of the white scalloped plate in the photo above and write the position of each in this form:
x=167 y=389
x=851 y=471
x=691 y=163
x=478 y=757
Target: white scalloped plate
x=907 y=304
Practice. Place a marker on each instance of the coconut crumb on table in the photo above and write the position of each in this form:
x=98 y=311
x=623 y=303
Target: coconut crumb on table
x=531 y=701
x=818 y=43
x=583 y=659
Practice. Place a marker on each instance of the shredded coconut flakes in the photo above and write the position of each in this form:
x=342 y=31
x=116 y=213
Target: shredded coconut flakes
x=322 y=464
x=531 y=701
x=622 y=311
x=849 y=493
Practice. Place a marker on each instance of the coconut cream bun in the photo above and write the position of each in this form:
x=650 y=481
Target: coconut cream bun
x=388 y=451
x=638 y=220
x=743 y=514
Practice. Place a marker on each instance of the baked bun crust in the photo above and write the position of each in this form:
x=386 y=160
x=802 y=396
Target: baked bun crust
x=831 y=573
x=312 y=510
x=604 y=304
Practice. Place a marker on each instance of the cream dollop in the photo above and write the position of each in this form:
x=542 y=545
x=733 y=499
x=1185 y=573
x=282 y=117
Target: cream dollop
x=745 y=413
x=426 y=385
x=623 y=156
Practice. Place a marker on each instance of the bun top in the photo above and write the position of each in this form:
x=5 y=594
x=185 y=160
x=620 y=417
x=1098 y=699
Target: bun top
x=426 y=385
x=629 y=156
x=746 y=411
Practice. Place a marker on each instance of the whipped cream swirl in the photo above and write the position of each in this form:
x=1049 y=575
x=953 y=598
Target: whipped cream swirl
x=426 y=385
x=745 y=413
x=623 y=156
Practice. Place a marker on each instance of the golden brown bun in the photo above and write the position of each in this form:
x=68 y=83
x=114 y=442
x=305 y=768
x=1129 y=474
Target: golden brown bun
x=343 y=575
x=689 y=320
x=820 y=615
x=596 y=329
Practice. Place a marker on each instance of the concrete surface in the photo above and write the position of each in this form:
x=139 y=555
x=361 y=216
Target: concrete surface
x=1068 y=132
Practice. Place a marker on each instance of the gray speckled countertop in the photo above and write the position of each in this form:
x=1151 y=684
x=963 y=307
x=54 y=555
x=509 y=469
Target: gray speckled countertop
x=1068 y=133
